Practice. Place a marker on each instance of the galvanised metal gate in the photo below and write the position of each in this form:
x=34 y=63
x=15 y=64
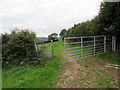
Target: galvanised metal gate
x=76 y=48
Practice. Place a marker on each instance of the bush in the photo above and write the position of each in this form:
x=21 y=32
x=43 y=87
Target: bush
x=19 y=48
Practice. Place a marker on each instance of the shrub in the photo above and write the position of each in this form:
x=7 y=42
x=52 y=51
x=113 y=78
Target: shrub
x=19 y=48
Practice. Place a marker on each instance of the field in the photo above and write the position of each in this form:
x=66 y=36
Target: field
x=86 y=73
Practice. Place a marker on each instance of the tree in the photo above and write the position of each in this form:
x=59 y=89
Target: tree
x=52 y=36
x=107 y=22
x=109 y=19
x=63 y=34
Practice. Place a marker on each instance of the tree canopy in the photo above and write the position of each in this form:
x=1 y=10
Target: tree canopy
x=107 y=22
x=63 y=33
x=52 y=36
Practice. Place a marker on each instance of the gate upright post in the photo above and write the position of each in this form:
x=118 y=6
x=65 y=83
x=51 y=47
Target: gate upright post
x=114 y=43
x=65 y=49
x=81 y=45
x=94 y=45
x=104 y=43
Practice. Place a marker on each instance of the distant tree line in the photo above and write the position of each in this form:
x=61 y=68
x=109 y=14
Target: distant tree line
x=107 y=22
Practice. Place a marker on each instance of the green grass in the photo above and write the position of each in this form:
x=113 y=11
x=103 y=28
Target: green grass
x=0 y=77
x=35 y=77
x=110 y=57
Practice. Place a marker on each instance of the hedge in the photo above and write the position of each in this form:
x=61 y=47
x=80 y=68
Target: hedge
x=18 y=48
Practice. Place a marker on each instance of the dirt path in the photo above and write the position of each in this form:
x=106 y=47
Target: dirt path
x=110 y=72
x=86 y=74
x=69 y=75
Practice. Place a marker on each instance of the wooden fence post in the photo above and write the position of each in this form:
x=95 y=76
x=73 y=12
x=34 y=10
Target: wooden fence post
x=50 y=51
x=52 y=48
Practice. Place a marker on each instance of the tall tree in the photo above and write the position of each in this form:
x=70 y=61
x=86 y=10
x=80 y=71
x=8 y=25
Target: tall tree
x=109 y=17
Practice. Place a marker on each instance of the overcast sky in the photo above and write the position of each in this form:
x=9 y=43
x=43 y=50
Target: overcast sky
x=46 y=16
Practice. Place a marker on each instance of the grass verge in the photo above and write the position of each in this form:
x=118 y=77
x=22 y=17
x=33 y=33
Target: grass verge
x=34 y=77
x=110 y=57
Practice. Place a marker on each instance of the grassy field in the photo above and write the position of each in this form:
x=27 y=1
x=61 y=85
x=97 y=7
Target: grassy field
x=34 y=77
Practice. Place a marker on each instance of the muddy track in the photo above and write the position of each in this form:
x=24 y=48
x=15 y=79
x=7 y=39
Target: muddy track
x=69 y=76
x=113 y=73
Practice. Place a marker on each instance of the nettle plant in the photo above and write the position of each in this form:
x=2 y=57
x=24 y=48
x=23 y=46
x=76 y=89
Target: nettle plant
x=18 y=48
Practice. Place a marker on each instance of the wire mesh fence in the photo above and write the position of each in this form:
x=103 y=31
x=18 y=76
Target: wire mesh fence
x=46 y=49
x=76 y=48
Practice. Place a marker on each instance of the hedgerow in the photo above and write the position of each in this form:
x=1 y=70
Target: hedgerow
x=18 y=48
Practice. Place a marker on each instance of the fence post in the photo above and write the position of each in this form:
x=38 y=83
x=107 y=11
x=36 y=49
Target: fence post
x=104 y=43
x=65 y=48
x=35 y=46
x=52 y=48
x=81 y=45
x=94 y=45
x=114 y=44
x=50 y=52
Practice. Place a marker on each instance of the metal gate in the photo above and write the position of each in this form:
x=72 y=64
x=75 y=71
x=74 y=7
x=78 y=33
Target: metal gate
x=76 y=48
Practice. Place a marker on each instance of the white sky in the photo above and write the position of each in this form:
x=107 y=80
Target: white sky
x=45 y=16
